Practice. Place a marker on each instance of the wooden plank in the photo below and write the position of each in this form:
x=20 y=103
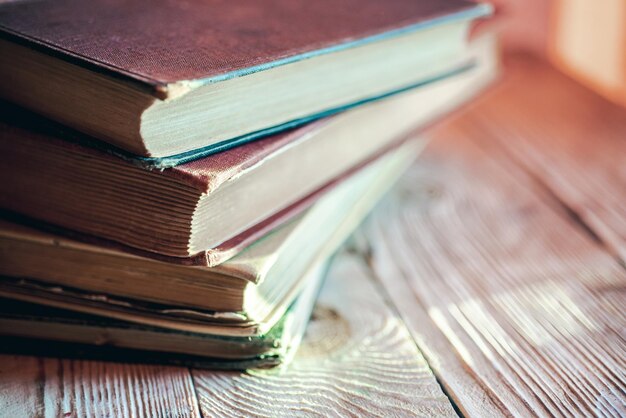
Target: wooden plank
x=571 y=139
x=42 y=387
x=517 y=309
x=357 y=359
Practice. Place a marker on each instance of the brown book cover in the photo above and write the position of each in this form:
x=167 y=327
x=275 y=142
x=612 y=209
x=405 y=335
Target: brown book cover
x=228 y=199
x=59 y=184
x=43 y=156
x=165 y=80
x=156 y=43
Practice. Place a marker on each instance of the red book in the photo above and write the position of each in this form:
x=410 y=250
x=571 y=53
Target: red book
x=164 y=78
x=204 y=211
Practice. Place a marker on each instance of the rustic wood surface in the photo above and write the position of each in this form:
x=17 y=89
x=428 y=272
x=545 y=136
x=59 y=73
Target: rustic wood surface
x=503 y=284
x=42 y=387
x=357 y=359
x=568 y=138
x=500 y=256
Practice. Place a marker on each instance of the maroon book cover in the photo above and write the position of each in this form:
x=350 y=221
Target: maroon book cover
x=31 y=145
x=156 y=43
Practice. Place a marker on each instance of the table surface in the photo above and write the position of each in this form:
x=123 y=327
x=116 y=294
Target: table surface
x=490 y=282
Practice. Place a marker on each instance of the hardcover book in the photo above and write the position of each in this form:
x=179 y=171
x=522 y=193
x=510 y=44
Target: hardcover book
x=246 y=295
x=163 y=78
x=23 y=327
x=204 y=211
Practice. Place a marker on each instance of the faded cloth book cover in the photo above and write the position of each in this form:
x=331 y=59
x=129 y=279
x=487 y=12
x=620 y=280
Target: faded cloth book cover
x=210 y=208
x=164 y=78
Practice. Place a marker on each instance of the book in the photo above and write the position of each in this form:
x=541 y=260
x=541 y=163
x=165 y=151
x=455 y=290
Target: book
x=243 y=296
x=24 y=326
x=160 y=78
x=210 y=208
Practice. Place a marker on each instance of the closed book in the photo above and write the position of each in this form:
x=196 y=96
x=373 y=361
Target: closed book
x=204 y=211
x=28 y=328
x=163 y=78
x=245 y=295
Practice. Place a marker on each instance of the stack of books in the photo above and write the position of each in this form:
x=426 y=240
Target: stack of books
x=176 y=175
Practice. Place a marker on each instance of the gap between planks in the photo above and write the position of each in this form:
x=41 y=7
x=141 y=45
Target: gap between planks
x=48 y=387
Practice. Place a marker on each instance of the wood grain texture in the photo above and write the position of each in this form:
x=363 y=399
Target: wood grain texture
x=517 y=309
x=41 y=387
x=357 y=359
x=570 y=139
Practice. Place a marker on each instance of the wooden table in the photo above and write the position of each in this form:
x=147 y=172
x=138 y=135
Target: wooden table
x=491 y=282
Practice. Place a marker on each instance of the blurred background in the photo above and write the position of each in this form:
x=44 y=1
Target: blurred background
x=585 y=39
